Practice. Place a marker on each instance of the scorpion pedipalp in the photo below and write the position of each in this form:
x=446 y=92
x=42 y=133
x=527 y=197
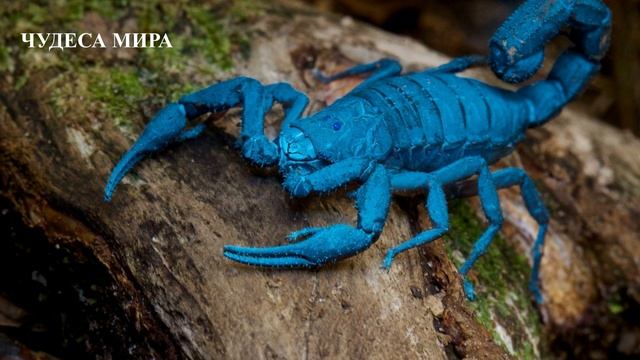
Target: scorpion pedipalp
x=166 y=127
x=169 y=125
x=323 y=246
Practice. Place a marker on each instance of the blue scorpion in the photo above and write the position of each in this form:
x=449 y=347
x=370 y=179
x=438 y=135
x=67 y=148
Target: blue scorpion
x=418 y=131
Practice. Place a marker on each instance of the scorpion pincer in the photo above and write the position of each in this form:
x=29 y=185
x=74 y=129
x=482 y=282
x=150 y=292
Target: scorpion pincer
x=415 y=131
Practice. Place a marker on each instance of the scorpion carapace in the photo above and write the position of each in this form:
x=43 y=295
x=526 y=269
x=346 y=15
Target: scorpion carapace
x=418 y=131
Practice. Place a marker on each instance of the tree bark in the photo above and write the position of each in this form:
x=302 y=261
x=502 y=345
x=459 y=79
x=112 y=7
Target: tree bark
x=161 y=237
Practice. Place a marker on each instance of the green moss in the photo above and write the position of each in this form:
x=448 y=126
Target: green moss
x=116 y=82
x=110 y=93
x=527 y=352
x=207 y=45
x=212 y=31
x=6 y=64
x=203 y=44
x=246 y=10
x=500 y=278
x=214 y=38
x=118 y=90
x=615 y=304
x=205 y=38
x=210 y=35
x=615 y=308
x=65 y=11
x=36 y=14
x=19 y=83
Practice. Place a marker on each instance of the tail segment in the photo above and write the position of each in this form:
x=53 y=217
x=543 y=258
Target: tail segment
x=570 y=74
x=517 y=50
x=590 y=28
x=517 y=47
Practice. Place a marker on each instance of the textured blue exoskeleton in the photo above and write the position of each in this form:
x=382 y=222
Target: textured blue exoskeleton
x=418 y=131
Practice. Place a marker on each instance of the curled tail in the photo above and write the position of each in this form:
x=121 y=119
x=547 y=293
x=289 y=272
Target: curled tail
x=517 y=50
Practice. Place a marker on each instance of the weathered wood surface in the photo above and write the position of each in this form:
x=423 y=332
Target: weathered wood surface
x=162 y=235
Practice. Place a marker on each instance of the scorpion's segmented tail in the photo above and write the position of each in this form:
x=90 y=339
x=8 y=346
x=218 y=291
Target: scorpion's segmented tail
x=517 y=47
x=517 y=50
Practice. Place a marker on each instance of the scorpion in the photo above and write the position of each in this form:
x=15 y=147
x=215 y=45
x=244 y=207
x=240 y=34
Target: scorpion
x=416 y=131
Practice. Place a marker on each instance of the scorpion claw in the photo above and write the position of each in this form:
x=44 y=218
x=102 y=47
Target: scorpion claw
x=167 y=126
x=259 y=148
x=297 y=235
x=325 y=245
x=285 y=261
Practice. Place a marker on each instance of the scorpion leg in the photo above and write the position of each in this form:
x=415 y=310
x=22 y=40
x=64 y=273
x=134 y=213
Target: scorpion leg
x=380 y=69
x=170 y=124
x=293 y=101
x=436 y=206
x=514 y=176
x=508 y=177
x=331 y=243
x=456 y=171
x=460 y=64
x=488 y=194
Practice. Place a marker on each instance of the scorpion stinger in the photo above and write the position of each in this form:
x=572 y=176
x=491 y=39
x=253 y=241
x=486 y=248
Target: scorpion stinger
x=426 y=131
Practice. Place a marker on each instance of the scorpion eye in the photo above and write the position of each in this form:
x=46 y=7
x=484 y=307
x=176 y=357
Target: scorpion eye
x=336 y=125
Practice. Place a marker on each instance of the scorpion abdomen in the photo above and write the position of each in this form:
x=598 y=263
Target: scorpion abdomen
x=436 y=118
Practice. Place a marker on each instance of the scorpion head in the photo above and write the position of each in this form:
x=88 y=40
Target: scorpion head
x=346 y=129
x=297 y=153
